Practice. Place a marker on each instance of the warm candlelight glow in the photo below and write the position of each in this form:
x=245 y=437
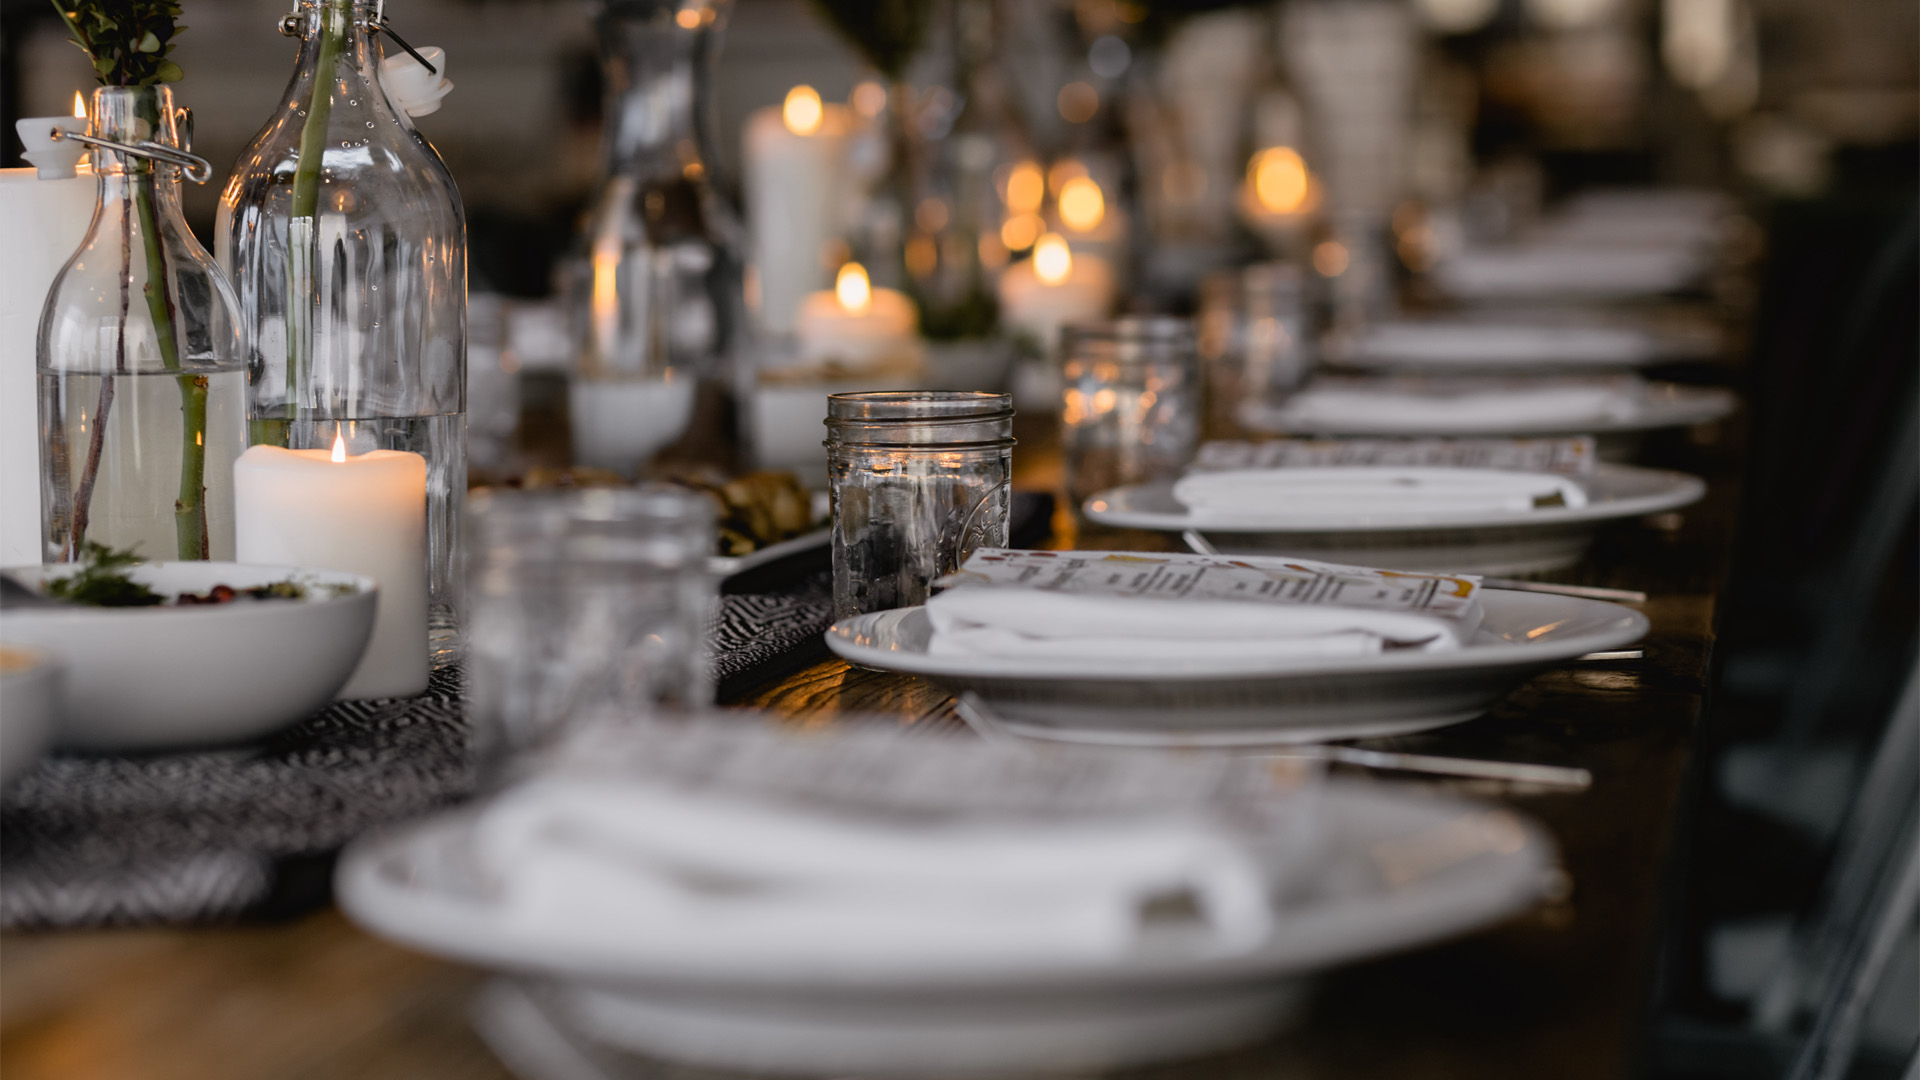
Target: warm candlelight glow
x=687 y=19
x=1020 y=231
x=1081 y=204
x=802 y=111
x=79 y=105
x=1026 y=187
x=339 y=448
x=869 y=98
x=605 y=303
x=1330 y=258
x=1052 y=261
x=1279 y=179
x=852 y=289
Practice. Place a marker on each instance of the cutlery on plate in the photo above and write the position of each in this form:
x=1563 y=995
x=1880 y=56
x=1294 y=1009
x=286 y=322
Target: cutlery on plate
x=982 y=719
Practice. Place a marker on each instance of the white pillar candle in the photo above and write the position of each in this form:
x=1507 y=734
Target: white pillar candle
x=1052 y=289
x=856 y=326
x=365 y=514
x=794 y=156
x=41 y=225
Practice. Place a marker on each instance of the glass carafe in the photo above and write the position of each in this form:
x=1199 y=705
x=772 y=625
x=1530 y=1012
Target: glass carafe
x=142 y=377
x=345 y=240
x=657 y=295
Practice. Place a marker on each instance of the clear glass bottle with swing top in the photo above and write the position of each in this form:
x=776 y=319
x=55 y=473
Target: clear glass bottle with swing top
x=142 y=378
x=345 y=240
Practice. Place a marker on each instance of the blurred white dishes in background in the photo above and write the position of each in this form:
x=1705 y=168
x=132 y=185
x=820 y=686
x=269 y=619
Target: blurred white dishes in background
x=1194 y=701
x=1412 y=406
x=619 y=423
x=1433 y=539
x=155 y=678
x=1384 y=495
x=1471 y=344
x=1308 y=876
x=1548 y=270
x=29 y=708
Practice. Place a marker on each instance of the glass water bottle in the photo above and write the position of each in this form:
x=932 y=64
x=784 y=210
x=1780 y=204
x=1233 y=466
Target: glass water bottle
x=142 y=377
x=657 y=297
x=345 y=240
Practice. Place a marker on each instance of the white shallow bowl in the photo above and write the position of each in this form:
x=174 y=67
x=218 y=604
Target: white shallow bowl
x=165 y=677
x=29 y=708
x=1223 y=702
x=1533 y=541
x=1392 y=869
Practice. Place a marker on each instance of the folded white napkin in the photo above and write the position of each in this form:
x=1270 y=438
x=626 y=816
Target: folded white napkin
x=1567 y=270
x=1342 y=407
x=616 y=864
x=1445 y=341
x=1370 y=493
x=1149 y=609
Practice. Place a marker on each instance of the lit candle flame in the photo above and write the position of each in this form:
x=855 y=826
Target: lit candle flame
x=79 y=105
x=1052 y=260
x=1081 y=204
x=802 y=112
x=1026 y=187
x=339 y=448
x=1279 y=180
x=852 y=288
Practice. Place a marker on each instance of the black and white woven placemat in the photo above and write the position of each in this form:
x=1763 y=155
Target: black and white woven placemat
x=188 y=837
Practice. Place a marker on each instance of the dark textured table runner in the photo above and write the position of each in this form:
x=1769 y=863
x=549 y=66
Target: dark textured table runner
x=218 y=834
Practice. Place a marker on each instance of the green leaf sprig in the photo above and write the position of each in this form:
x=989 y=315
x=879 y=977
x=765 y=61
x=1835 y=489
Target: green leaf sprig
x=127 y=40
x=103 y=581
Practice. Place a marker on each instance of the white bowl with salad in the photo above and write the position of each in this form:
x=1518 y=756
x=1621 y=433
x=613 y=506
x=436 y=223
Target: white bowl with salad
x=165 y=655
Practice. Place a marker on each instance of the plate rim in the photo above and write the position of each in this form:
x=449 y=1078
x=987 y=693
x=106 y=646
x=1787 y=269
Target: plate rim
x=1668 y=405
x=1299 y=941
x=1685 y=489
x=1541 y=652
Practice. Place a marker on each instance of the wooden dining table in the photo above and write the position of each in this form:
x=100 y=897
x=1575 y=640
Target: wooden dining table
x=1557 y=991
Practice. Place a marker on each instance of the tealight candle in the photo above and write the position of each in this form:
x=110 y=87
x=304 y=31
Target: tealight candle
x=365 y=514
x=794 y=156
x=858 y=326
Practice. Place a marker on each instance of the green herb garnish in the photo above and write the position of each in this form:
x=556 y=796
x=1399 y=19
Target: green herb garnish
x=103 y=581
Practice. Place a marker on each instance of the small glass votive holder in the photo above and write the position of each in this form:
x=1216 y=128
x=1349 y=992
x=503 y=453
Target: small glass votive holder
x=1131 y=410
x=1256 y=338
x=919 y=480
x=584 y=605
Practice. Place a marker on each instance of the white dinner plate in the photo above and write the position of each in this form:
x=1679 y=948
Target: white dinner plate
x=1221 y=702
x=1390 y=869
x=1470 y=346
x=1547 y=538
x=1663 y=405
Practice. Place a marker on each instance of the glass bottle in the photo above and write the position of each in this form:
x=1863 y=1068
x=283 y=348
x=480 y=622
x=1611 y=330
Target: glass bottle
x=345 y=240
x=657 y=300
x=142 y=375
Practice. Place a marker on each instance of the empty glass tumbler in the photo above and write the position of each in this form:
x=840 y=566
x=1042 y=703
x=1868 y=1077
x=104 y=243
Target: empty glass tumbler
x=1256 y=340
x=584 y=605
x=919 y=480
x=1131 y=411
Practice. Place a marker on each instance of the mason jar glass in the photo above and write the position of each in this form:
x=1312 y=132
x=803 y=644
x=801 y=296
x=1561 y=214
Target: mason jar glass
x=1131 y=411
x=584 y=605
x=1255 y=341
x=919 y=480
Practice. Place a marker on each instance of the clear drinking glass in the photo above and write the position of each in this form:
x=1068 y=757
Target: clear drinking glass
x=1256 y=340
x=657 y=297
x=344 y=238
x=585 y=604
x=1131 y=412
x=919 y=480
x=141 y=371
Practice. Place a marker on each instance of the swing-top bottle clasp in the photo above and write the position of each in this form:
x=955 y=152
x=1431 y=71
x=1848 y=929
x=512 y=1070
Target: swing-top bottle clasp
x=197 y=169
x=373 y=24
